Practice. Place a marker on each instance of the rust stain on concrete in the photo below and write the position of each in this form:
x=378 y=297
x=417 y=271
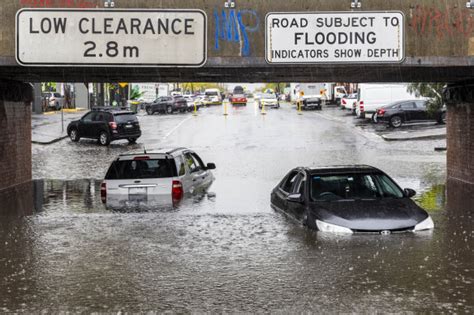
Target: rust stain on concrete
x=471 y=47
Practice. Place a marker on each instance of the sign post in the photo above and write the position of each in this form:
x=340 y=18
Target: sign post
x=111 y=37
x=335 y=37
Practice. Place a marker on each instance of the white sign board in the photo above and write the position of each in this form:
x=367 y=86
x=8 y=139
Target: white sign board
x=148 y=91
x=335 y=37
x=111 y=37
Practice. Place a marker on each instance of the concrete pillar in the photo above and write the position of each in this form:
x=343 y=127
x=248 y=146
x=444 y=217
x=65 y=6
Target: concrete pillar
x=459 y=99
x=82 y=95
x=38 y=102
x=16 y=186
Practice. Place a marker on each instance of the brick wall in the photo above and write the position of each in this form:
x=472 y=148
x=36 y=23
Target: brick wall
x=460 y=157
x=15 y=144
x=15 y=147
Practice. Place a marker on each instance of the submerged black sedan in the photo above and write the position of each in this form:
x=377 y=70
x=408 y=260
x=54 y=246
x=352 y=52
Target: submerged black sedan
x=349 y=199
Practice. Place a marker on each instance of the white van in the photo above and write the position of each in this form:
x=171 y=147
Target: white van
x=213 y=97
x=373 y=96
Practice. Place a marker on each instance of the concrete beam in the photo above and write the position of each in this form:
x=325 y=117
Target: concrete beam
x=439 y=37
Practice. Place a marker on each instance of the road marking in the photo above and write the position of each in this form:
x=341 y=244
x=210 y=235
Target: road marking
x=177 y=126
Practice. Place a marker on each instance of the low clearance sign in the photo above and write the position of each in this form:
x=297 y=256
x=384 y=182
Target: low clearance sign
x=335 y=37
x=106 y=37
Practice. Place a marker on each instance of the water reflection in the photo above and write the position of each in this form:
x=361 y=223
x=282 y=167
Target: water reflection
x=76 y=255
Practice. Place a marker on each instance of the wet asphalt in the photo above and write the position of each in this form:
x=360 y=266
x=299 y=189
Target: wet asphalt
x=229 y=251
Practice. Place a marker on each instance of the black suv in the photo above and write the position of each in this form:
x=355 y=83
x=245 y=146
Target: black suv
x=167 y=104
x=106 y=125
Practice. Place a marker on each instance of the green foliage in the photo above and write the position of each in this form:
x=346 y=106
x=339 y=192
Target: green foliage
x=193 y=87
x=433 y=91
x=277 y=87
x=135 y=93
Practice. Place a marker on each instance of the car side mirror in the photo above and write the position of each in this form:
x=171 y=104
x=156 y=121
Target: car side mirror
x=295 y=198
x=211 y=166
x=409 y=192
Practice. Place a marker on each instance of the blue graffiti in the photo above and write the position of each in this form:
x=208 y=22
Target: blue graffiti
x=229 y=27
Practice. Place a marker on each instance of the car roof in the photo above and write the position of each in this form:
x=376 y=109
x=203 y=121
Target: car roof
x=403 y=101
x=161 y=152
x=342 y=169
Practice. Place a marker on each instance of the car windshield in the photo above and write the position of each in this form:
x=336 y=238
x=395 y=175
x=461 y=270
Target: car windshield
x=139 y=169
x=353 y=186
x=121 y=118
x=269 y=96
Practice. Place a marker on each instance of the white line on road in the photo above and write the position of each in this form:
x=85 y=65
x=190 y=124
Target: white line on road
x=177 y=126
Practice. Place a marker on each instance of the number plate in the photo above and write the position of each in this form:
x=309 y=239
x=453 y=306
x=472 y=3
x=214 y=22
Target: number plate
x=128 y=126
x=137 y=191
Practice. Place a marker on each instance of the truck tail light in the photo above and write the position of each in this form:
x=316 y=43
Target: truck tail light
x=344 y=102
x=103 y=192
x=113 y=125
x=177 y=191
x=361 y=106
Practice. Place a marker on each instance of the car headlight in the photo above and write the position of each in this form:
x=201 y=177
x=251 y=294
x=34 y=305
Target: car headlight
x=426 y=224
x=332 y=228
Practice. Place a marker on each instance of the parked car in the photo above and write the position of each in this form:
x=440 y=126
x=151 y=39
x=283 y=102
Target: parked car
x=398 y=113
x=167 y=104
x=191 y=102
x=164 y=176
x=54 y=100
x=106 y=125
x=309 y=102
x=370 y=97
x=348 y=102
x=349 y=199
x=269 y=100
x=213 y=97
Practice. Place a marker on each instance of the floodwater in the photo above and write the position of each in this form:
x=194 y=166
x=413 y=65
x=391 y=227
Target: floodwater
x=229 y=251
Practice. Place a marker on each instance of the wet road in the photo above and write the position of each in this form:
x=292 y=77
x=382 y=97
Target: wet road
x=232 y=252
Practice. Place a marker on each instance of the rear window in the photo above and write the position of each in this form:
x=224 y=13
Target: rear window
x=121 y=118
x=140 y=169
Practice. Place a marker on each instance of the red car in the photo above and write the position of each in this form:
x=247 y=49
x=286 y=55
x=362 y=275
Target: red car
x=238 y=99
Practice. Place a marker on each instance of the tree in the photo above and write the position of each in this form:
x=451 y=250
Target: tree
x=277 y=87
x=433 y=91
x=135 y=93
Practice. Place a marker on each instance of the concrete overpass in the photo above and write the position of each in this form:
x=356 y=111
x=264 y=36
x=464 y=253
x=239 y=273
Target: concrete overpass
x=439 y=44
x=439 y=47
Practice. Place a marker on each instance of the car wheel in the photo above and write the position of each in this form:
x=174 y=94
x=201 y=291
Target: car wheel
x=104 y=138
x=74 y=135
x=149 y=111
x=396 y=121
x=374 y=118
x=169 y=110
x=442 y=118
x=132 y=140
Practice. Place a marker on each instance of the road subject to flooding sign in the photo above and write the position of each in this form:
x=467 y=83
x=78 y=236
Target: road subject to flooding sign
x=111 y=37
x=356 y=37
